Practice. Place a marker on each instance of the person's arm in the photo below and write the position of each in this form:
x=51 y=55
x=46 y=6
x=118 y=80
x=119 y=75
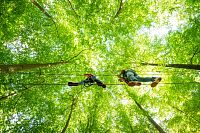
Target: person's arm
x=88 y=75
x=88 y=80
x=99 y=82
x=121 y=77
x=121 y=74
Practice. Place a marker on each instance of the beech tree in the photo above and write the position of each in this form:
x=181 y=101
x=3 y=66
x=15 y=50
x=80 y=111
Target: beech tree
x=46 y=44
x=185 y=66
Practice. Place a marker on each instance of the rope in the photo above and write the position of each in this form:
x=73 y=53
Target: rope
x=96 y=84
x=79 y=75
x=163 y=83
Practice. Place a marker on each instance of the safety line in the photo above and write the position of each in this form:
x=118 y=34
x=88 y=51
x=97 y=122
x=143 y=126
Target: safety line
x=96 y=84
x=79 y=75
x=42 y=73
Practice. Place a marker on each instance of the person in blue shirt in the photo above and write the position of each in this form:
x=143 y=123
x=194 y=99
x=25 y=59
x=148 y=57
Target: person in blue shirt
x=90 y=80
x=133 y=79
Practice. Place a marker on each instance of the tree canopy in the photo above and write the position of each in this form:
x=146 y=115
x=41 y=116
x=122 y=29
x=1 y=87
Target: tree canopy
x=44 y=44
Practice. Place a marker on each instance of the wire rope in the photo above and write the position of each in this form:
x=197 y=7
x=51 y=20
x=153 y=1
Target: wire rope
x=96 y=84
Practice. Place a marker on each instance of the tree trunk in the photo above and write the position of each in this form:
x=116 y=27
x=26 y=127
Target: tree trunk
x=22 y=67
x=14 y=93
x=186 y=66
x=120 y=9
x=41 y=9
x=70 y=115
x=7 y=96
x=149 y=118
x=186 y=114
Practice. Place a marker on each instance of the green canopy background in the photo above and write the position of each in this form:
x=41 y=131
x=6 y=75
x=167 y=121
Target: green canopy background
x=46 y=43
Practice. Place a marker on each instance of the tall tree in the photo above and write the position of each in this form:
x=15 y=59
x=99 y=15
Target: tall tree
x=185 y=66
x=145 y=113
x=157 y=126
x=74 y=101
x=115 y=32
x=23 y=67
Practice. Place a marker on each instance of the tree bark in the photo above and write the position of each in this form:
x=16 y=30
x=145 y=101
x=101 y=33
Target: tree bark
x=70 y=115
x=186 y=114
x=73 y=8
x=197 y=51
x=149 y=118
x=14 y=93
x=185 y=66
x=22 y=67
x=41 y=9
x=120 y=9
x=7 y=96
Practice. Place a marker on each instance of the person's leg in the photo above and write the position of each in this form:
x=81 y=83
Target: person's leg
x=86 y=81
x=133 y=76
x=77 y=83
x=82 y=82
x=145 y=79
x=134 y=83
x=132 y=79
x=99 y=83
x=156 y=81
x=73 y=84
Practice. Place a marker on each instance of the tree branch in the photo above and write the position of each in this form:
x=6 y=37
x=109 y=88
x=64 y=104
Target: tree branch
x=9 y=95
x=149 y=118
x=107 y=131
x=45 y=13
x=120 y=9
x=73 y=8
x=186 y=114
x=76 y=55
x=41 y=9
x=196 y=52
x=185 y=66
x=145 y=113
x=15 y=93
x=22 y=67
x=74 y=101
x=88 y=123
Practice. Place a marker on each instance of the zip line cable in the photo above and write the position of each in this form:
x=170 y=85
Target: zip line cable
x=96 y=84
x=70 y=75
x=39 y=72
x=117 y=71
x=77 y=75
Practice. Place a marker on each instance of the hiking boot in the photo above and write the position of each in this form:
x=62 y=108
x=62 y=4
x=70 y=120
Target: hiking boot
x=72 y=84
x=102 y=85
x=121 y=80
x=156 y=81
x=134 y=83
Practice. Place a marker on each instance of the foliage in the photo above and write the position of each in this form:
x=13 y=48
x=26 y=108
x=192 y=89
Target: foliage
x=160 y=32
